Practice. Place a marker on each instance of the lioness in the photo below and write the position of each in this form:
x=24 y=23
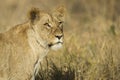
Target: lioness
x=24 y=46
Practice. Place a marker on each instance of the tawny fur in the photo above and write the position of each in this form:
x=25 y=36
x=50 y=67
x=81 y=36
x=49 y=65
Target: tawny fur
x=25 y=45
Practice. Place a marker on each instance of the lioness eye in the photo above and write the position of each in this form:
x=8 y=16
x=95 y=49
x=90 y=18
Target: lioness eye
x=46 y=24
x=60 y=24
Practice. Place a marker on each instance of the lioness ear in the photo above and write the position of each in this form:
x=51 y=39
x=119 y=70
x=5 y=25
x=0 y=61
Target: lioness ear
x=60 y=13
x=33 y=14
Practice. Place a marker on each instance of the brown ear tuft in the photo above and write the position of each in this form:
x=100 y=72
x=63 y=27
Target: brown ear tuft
x=61 y=10
x=34 y=14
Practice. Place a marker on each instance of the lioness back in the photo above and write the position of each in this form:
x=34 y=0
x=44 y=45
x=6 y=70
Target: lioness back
x=25 y=45
x=14 y=48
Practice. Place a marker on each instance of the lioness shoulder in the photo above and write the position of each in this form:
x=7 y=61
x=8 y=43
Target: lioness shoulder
x=24 y=46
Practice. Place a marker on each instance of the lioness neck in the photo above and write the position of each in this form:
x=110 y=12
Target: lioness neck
x=36 y=43
x=38 y=47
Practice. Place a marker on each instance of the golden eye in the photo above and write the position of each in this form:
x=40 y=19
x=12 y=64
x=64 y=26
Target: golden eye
x=47 y=25
x=60 y=23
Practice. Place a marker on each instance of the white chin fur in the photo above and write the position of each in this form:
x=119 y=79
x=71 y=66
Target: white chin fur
x=56 y=46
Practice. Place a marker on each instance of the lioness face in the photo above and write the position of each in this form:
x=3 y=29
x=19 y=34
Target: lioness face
x=49 y=27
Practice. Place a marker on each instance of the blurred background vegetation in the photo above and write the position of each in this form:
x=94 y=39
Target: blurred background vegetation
x=92 y=38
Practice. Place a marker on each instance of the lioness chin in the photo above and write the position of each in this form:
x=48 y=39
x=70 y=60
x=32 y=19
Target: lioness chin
x=24 y=46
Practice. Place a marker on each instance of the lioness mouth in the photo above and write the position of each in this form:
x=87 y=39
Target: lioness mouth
x=51 y=44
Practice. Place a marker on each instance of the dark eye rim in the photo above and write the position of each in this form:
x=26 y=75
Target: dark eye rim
x=61 y=22
x=47 y=24
x=61 y=25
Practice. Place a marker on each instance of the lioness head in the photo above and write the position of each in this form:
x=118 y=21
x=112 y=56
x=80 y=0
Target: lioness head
x=49 y=27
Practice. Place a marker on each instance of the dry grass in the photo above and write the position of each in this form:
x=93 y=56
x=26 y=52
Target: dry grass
x=92 y=38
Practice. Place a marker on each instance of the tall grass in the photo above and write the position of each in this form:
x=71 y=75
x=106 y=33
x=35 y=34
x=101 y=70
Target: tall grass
x=98 y=60
x=92 y=38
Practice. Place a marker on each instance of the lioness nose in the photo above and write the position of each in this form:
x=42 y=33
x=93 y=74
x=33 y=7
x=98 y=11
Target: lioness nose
x=58 y=36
